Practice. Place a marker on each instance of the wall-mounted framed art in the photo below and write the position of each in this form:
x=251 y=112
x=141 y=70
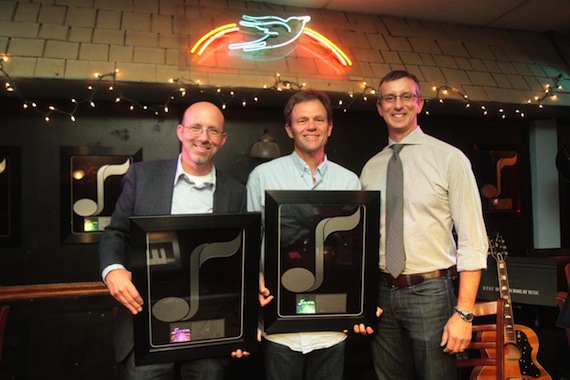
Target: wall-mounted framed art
x=90 y=186
x=198 y=276
x=497 y=168
x=10 y=196
x=321 y=259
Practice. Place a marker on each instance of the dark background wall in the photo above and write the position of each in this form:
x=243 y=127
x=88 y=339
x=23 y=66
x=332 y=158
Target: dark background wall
x=357 y=135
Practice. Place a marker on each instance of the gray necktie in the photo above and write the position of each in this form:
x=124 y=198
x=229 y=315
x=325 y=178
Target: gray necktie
x=395 y=255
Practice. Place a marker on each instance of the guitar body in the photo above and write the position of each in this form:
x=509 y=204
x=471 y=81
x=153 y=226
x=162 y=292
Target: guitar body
x=520 y=359
x=521 y=343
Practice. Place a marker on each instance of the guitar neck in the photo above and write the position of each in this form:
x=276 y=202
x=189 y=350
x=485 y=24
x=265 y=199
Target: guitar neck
x=505 y=294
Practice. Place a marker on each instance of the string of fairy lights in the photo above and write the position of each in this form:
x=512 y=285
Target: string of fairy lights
x=182 y=86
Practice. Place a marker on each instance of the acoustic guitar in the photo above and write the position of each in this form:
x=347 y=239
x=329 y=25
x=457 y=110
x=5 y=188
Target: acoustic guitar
x=521 y=342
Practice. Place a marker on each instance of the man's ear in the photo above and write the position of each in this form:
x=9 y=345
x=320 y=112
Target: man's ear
x=179 y=131
x=289 y=131
x=379 y=108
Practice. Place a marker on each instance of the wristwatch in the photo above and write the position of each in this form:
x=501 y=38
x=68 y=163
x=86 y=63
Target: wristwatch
x=467 y=316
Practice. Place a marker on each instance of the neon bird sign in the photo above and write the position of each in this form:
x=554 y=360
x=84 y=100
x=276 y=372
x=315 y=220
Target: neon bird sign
x=268 y=25
x=272 y=36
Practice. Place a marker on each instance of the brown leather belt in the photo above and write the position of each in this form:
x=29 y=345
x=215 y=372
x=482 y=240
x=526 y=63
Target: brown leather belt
x=414 y=279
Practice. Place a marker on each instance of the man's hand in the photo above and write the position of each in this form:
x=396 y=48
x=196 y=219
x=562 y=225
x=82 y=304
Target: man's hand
x=238 y=354
x=264 y=294
x=121 y=287
x=366 y=330
x=259 y=334
x=456 y=335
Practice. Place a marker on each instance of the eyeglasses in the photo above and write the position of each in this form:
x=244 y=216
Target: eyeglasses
x=197 y=130
x=406 y=97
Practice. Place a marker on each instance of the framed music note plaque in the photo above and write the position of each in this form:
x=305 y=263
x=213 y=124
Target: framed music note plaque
x=198 y=276
x=497 y=170
x=321 y=259
x=10 y=196
x=90 y=186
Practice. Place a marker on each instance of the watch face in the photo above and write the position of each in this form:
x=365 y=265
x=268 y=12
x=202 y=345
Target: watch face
x=469 y=317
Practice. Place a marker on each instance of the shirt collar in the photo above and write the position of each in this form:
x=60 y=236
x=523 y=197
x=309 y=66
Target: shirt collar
x=415 y=137
x=302 y=165
x=180 y=171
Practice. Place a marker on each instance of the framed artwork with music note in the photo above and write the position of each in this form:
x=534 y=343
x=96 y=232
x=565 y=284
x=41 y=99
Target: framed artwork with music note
x=198 y=276
x=90 y=186
x=10 y=196
x=321 y=259
x=497 y=168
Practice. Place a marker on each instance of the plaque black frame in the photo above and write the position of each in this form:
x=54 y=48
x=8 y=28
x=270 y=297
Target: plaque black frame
x=276 y=320
x=94 y=159
x=194 y=233
x=10 y=196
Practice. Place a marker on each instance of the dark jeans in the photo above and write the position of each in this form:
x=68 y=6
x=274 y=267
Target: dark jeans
x=408 y=335
x=282 y=363
x=199 y=369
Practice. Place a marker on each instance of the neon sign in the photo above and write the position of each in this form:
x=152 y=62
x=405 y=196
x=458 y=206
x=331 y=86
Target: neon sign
x=275 y=32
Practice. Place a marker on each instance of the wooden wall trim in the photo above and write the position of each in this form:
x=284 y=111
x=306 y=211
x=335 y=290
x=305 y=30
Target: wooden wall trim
x=74 y=289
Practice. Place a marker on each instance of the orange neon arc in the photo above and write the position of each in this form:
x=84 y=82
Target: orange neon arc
x=201 y=45
x=213 y=35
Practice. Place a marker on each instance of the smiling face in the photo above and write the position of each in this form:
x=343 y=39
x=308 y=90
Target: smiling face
x=309 y=128
x=398 y=110
x=201 y=134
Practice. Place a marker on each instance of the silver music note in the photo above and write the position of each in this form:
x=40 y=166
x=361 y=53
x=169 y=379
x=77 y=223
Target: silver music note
x=299 y=279
x=492 y=191
x=88 y=207
x=174 y=309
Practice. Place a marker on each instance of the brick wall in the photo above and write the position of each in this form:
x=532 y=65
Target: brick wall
x=149 y=41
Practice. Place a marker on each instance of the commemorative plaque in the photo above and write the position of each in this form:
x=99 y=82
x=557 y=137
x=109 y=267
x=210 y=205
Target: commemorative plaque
x=321 y=259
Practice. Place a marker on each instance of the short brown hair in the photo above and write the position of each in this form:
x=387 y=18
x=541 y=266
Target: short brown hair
x=304 y=96
x=399 y=74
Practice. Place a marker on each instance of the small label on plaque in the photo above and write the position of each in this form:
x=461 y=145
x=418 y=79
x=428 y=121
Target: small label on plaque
x=321 y=303
x=96 y=224
x=180 y=335
x=500 y=203
x=208 y=329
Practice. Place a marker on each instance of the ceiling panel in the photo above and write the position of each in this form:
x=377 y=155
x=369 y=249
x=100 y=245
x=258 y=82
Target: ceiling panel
x=530 y=15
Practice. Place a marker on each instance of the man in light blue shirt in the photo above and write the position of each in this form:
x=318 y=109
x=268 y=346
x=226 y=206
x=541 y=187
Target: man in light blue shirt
x=308 y=115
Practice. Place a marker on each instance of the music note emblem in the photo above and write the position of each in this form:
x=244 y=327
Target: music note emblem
x=492 y=191
x=299 y=279
x=88 y=207
x=175 y=309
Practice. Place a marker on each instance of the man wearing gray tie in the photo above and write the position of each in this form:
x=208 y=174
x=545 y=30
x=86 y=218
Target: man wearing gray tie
x=428 y=193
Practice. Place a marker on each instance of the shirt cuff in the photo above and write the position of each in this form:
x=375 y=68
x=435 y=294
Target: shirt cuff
x=110 y=268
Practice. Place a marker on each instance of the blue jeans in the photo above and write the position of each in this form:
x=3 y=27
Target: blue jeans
x=199 y=369
x=407 y=341
x=282 y=363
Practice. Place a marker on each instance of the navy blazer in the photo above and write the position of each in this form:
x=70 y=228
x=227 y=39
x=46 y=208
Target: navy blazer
x=147 y=189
